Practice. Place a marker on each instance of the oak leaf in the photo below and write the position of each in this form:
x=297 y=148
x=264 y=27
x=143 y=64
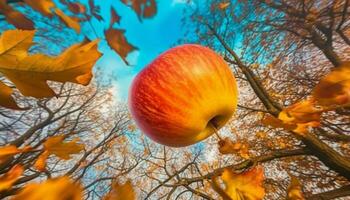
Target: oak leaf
x=334 y=88
x=8 y=179
x=53 y=189
x=121 y=192
x=42 y=6
x=73 y=65
x=15 y=17
x=243 y=186
x=118 y=42
x=294 y=191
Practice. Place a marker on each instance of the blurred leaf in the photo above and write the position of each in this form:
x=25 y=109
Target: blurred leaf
x=76 y=7
x=42 y=6
x=226 y=146
x=10 y=150
x=295 y=190
x=15 y=17
x=73 y=65
x=68 y=21
x=40 y=163
x=8 y=179
x=115 y=18
x=53 y=189
x=224 y=5
x=94 y=10
x=334 y=88
x=244 y=186
x=121 y=192
x=143 y=8
x=118 y=42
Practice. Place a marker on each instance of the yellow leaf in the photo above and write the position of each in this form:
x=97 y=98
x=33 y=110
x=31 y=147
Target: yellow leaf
x=295 y=190
x=52 y=189
x=121 y=192
x=40 y=163
x=118 y=42
x=8 y=179
x=55 y=145
x=42 y=6
x=73 y=65
x=69 y=21
x=15 y=17
x=334 y=88
x=226 y=146
x=277 y=123
x=244 y=186
x=6 y=100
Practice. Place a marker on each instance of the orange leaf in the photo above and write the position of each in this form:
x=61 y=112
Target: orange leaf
x=223 y=6
x=53 y=189
x=14 y=17
x=301 y=112
x=68 y=21
x=40 y=163
x=73 y=65
x=334 y=88
x=10 y=150
x=226 y=146
x=117 y=41
x=42 y=6
x=247 y=185
x=277 y=123
x=8 y=179
x=115 y=18
x=294 y=191
x=55 y=145
x=121 y=192
x=6 y=100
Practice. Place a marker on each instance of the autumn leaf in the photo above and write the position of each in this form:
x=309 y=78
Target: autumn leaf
x=73 y=65
x=294 y=191
x=223 y=5
x=115 y=18
x=10 y=150
x=118 y=42
x=143 y=8
x=15 y=17
x=270 y=120
x=42 y=6
x=68 y=21
x=8 y=179
x=6 y=99
x=40 y=163
x=227 y=146
x=243 y=186
x=334 y=88
x=94 y=10
x=121 y=192
x=76 y=7
x=55 y=189
x=56 y=145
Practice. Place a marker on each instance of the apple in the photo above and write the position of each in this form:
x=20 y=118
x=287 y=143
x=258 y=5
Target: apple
x=183 y=96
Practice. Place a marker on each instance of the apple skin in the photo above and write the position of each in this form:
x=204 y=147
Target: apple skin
x=178 y=97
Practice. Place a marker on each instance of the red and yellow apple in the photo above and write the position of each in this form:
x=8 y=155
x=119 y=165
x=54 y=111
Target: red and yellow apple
x=183 y=96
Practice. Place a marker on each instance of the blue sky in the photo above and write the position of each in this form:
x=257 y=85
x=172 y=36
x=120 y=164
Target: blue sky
x=151 y=36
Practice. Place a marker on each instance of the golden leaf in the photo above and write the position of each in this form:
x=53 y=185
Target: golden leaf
x=53 y=189
x=68 y=21
x=118 y=42
x=244 y=186
x=121 y=192
x=42 y=6
x=73 y=65
x=55 y=145
x=334 y=88
x=294 y=190
x=15 y=17
x=8 y=179
x=270 y=120
x=226 y=146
